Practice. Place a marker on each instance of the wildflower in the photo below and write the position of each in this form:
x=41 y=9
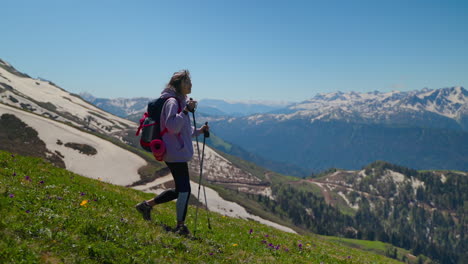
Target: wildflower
x=308 y=244
x=84 y=202
x=224 y=216
x=300 y=246
x=270 y=245
x=41 y=182
x=27 y=211
x=286 y=249
x=349 y=257
x=264 y=241
x=12 y=195
x=277 y=247
x=12 y=155
x=59 y=198
x=234 y=245
x=82 y=194
x=266 y=235
x=250 y=231
x=211 y=254
x=14 y=173
x=27 y=178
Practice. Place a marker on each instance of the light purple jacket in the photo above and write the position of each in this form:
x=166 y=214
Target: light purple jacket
x=178 y=140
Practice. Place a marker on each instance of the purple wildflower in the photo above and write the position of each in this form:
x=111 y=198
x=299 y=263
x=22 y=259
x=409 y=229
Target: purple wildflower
x=11 y=195
x=300 y=246
x=349 y=257
x=59 y=198
x=12 y=155
x=41 y=182
x=250 y=231
x=277 y=247
x=264 y=241
x=27 y=211
x=270 y=245
x=95 y=200
x=286 y=249
x=211 y=253
x=27 y=178
x=82 y=194
x=266 y=235
x=14 y=173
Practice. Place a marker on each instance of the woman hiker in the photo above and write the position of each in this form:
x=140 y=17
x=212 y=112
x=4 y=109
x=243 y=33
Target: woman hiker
x=179 y=148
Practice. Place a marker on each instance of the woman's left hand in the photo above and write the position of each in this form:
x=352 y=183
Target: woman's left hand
x=204 y=128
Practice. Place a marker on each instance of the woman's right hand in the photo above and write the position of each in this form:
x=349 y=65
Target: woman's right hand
x=191 y=105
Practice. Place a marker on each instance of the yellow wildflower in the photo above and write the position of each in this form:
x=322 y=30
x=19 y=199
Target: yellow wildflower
x=84 y=202
x=234 y=245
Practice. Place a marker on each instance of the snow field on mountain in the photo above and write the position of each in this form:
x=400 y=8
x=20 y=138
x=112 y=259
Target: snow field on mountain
x=111 y=163
x=43 y=91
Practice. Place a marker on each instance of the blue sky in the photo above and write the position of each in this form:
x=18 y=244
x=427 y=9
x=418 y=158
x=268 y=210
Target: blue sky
x=238 y=50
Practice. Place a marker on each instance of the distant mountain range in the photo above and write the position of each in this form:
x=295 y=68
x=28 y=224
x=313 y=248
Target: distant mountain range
x=125 y=107
x=436 y=108
x=423 y=129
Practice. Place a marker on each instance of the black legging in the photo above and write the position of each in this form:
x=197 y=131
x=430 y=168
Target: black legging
x=180 y=173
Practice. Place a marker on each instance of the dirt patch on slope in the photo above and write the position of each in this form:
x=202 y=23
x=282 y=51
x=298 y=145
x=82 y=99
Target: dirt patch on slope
x=17 y=137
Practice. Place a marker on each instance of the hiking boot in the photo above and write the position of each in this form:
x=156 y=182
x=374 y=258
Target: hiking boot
x=145 y=210
x=182 y=230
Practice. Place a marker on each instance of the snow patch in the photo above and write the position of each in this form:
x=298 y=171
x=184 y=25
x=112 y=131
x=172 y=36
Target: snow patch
x=111 y=163
x=415 y=183
x=396 y=176
x=64 y=102
x=217 y=204
x=356 y=207
x=443 y=178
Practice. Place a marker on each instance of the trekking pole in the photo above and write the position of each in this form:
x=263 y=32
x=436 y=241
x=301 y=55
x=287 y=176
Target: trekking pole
x=205 y=135
x=199 y=182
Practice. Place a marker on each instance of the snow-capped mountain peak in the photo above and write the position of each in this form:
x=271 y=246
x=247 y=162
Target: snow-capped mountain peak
x=448 y=102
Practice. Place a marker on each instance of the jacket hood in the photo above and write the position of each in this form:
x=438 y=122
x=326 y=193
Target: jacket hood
x=169 y=92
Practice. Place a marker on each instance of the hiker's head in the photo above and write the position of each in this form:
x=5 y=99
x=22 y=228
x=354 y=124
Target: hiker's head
x=181 y=82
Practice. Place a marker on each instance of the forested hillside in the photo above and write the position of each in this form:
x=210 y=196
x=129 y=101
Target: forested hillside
x=423 y=211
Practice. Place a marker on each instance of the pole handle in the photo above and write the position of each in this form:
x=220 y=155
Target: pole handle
x=193 y=110
x=206 y=133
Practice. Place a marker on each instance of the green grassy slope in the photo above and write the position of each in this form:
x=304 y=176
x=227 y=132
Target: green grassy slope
x=50 y=215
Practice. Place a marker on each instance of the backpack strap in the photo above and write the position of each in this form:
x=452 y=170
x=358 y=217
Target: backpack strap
x=142 y=120
x=178 y=111
x=178 y=103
